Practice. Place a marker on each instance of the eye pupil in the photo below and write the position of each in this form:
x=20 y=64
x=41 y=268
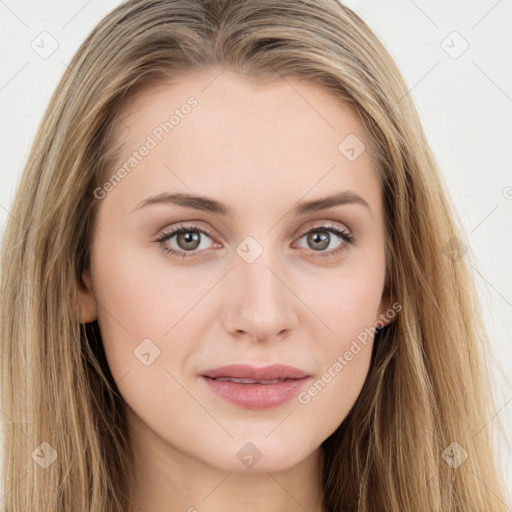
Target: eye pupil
x=188 y=237
x=321 y=237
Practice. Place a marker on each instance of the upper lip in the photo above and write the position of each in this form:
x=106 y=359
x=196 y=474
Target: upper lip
x=246 y=371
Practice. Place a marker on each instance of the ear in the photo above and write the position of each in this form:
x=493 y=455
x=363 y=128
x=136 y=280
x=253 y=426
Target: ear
x=87 y=302
x=387 y=310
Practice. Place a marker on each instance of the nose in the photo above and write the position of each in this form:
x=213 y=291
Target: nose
x=260 y=302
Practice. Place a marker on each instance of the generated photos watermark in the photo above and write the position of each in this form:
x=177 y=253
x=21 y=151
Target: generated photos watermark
x=152 y=140
x=342 y=361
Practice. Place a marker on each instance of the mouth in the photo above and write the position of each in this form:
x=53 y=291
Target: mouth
x=246 y=381
x=250 y=387
x=261 y=374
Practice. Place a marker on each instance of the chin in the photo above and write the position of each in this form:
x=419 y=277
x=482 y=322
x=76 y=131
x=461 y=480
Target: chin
x=258 y=456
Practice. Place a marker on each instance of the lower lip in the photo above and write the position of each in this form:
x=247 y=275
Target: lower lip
x=256 y=396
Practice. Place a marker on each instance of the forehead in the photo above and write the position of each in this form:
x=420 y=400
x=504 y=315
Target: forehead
x=232 y=107
x=271 y=138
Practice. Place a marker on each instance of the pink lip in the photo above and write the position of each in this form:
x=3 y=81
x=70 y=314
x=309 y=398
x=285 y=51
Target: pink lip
x=245 y=371
x=255 y=395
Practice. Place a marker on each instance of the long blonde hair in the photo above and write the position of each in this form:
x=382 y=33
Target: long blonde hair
x=65 y=438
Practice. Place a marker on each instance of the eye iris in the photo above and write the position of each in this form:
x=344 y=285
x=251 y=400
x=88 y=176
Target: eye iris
x=319 y=236
x=188 y=237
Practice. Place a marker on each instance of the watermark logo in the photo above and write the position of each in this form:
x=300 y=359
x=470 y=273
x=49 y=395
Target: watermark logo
x=454 y=249
x=351 y=147
x=45 y=455
x=146 y=352
x=454 y=455
x=454 y=45
x=249 y=455
x=249 y=249
x=45 y=45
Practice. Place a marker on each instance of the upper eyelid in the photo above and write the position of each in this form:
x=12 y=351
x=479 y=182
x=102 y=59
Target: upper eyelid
x=322 y=224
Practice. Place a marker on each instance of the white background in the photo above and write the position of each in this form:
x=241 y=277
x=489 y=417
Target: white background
x=465 y=104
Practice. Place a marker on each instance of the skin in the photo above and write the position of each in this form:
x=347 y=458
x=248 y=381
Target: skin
x=259 y=149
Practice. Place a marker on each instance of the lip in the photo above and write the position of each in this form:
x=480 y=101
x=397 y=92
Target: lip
x=256 y=396
x=246 y=371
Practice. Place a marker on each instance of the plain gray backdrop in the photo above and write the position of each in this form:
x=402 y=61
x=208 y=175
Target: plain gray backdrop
x=456 y=59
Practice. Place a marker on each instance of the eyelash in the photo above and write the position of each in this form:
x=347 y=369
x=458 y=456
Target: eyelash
x=347 y=237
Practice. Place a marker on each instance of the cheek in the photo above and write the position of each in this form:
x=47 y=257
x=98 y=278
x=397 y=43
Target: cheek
x=333 y=393
x=343 y=361
x=138 y=305
x=140 y=290
x=346 y=302
x=143 y=325
x=347 y=307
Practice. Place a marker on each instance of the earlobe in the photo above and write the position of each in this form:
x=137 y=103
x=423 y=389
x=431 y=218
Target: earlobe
x=387 y=312
x=86 y=300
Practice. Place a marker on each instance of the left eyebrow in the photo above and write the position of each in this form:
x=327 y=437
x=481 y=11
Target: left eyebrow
x=214 y=206
x=339 y=198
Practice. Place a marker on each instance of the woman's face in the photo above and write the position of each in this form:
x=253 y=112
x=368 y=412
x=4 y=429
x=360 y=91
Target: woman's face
x=257 y=278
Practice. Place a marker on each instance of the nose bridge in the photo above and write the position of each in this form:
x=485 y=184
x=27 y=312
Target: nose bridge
x=256 y=269
x=260 y=281
x=262 y=305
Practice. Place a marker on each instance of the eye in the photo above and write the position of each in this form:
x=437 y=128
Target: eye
x=188 y=239
x=319 y=238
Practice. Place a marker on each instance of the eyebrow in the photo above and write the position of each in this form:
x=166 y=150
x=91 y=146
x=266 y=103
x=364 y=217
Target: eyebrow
x=214 y=206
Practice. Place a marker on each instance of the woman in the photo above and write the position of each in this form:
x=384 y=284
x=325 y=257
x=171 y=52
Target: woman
x=193 y=147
